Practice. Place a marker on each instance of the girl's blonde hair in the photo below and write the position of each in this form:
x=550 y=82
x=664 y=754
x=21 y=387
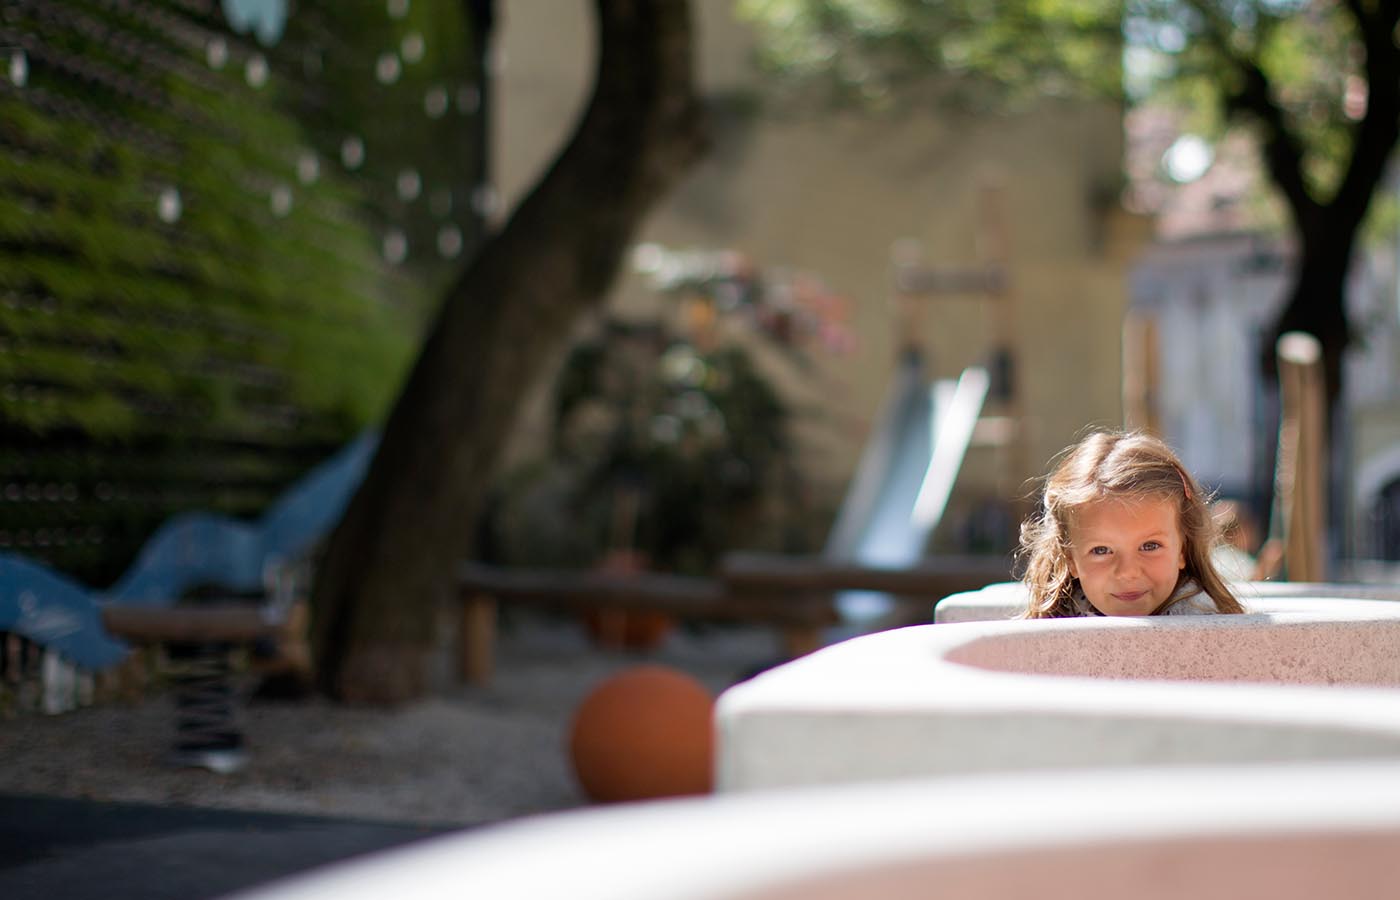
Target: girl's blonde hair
x=1105 y=465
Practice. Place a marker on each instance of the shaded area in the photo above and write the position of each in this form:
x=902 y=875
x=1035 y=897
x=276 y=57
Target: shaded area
x=78 y=849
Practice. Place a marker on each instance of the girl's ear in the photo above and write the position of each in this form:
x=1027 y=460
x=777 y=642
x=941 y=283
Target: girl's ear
x=1073 y=569
x=1181 y=559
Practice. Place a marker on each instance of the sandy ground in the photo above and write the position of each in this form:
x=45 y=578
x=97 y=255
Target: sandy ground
x=466 y=755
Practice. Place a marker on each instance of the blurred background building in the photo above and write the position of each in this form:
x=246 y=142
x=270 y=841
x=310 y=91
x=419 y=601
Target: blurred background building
x=227 y=224
x=840 y=196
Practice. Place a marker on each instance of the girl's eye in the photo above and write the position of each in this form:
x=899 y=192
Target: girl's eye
x=1098 y=551
x=1151 y=545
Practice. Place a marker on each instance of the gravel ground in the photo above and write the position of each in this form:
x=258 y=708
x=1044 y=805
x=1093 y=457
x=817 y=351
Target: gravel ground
x=466 y=755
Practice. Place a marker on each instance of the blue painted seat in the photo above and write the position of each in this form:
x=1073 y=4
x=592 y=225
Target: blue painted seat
x=55 y=611
x=191 y=550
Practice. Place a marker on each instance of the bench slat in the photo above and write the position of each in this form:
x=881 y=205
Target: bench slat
x=222 y=622
x=682 y=596
x=932 y=578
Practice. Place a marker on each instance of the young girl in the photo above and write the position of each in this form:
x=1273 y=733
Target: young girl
x=1123 y=530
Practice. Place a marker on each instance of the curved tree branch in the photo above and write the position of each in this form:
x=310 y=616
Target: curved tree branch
x=1282 y=150
x=1374 y=137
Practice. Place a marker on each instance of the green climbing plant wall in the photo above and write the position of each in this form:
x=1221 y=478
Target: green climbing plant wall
x=222 y=227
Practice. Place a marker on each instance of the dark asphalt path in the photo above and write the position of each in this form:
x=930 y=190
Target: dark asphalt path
x=60 y=849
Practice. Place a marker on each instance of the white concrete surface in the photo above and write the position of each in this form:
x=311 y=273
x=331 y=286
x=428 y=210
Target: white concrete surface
x=1004 y=695
x=1286 y=833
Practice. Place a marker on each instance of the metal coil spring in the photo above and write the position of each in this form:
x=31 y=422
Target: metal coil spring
x=206 y=734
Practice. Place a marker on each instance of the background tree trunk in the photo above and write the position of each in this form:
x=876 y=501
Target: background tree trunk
x=391 y=561
x=1327 y=231
x=1316 y=303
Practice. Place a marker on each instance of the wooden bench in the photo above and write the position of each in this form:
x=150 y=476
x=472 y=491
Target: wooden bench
x=915 y=588
x=793 y=594
x=220 y=622
x=483 y=588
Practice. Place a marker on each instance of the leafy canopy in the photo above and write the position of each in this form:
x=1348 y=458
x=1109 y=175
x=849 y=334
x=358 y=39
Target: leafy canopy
x=974 y=52
x=1191 y=55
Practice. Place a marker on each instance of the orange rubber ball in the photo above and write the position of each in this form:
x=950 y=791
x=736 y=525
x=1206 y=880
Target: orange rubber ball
x=644 y=733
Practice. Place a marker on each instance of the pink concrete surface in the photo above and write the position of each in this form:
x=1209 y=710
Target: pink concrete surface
x=1357 y=865
x=1212 y=833
x=1004 y=600
x=1365 y=652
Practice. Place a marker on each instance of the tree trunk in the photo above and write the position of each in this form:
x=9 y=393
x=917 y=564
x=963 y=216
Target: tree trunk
x=1327 y=231
x=1316 y=304
x=391 y=561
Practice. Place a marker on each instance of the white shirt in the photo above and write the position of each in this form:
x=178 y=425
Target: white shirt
x=1189 y=600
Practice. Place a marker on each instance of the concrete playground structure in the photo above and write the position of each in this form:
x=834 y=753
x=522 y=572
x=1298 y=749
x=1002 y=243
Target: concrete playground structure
x=1299 y=678
x=1202 y=756
x=1148 y=834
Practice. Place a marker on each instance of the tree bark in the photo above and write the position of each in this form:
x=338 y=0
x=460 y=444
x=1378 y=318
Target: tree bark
x=1316 y=304
x=391 y=561
x=1327 y=231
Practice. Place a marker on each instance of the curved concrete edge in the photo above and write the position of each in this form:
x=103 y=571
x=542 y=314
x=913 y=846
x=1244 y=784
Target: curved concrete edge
x=1005 y=599
x=1305 y=649
x=1142 y=824
x=898 y=704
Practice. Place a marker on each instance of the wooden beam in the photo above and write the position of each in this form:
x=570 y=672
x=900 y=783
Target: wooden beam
x=219 y=622
x=565 y=590
x=930 y=579
x=794 y=594
x=477 y=649
x=1301 y=466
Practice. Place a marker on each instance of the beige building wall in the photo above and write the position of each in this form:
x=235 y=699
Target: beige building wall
x=833 y=194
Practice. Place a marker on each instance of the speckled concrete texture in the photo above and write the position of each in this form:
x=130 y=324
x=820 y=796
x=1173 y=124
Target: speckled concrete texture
x=1268 y=649
x=1005 y=599
x=1314 y=681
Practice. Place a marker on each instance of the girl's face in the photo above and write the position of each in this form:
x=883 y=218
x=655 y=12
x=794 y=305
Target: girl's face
x=1127 y=554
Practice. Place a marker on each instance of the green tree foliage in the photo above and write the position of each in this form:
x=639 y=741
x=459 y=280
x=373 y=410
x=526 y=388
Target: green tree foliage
x=1206 y=60
x=1316 y=81
x=974 y=52
x=1318 y=84
x=403 y=85
x=201 y=292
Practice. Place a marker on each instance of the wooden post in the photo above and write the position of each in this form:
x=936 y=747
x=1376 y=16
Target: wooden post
x=477 y=646
x=799 y=640
x=1300 y=482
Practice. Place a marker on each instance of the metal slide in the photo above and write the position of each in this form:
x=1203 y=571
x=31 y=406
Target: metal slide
x=905 y=475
